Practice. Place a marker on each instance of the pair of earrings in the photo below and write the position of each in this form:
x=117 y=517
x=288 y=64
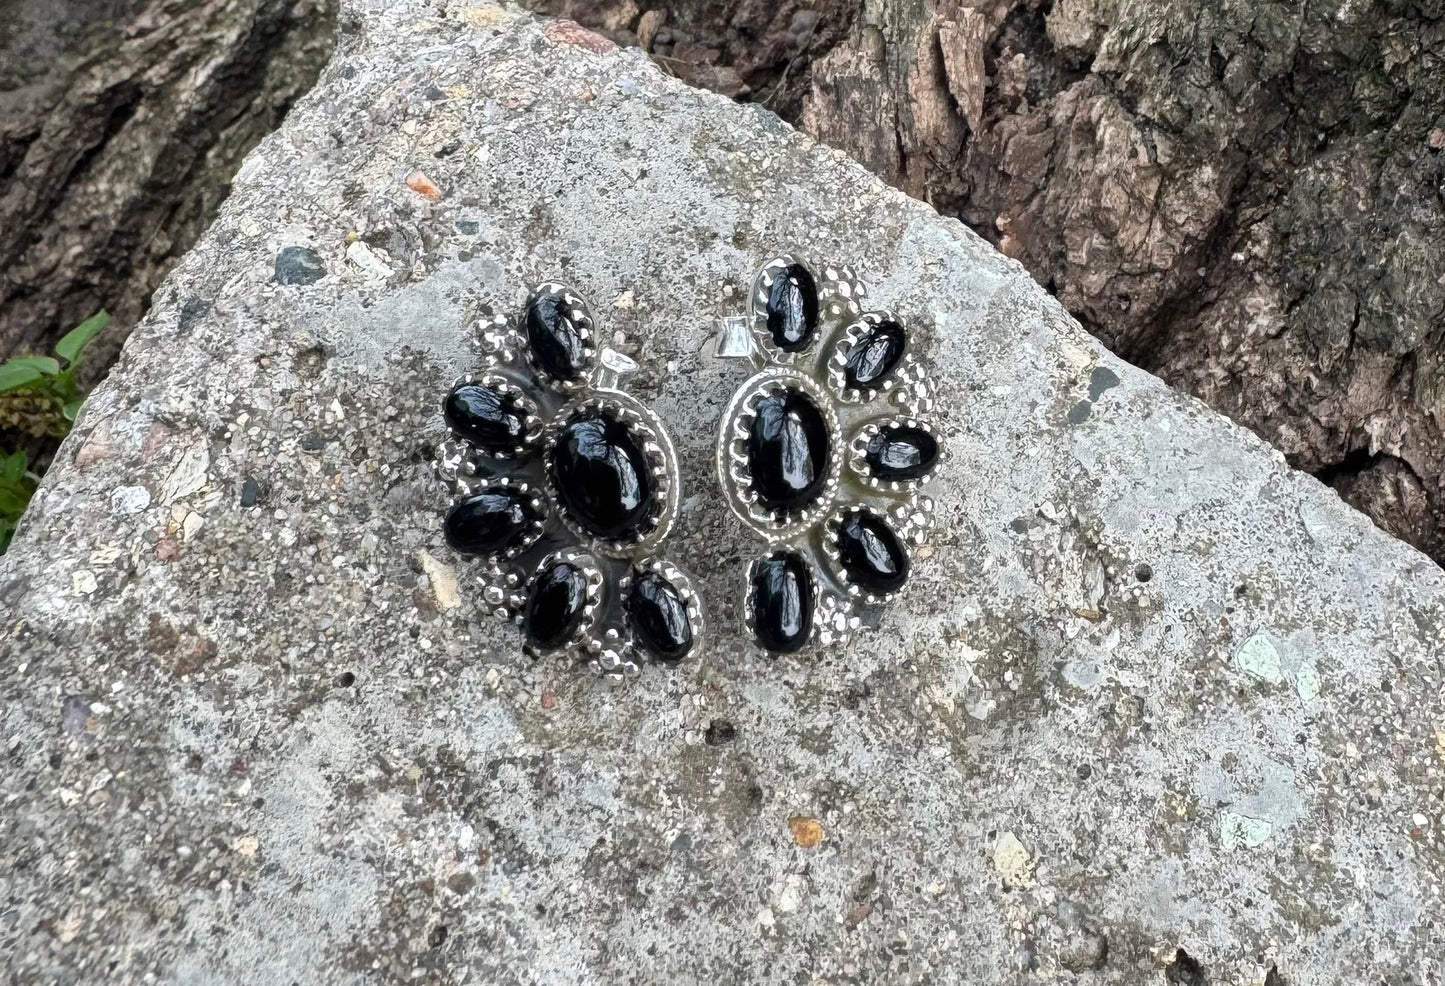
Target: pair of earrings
x=567 y=486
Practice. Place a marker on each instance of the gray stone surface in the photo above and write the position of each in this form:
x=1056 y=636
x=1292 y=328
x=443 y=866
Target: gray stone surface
x=1152 y=691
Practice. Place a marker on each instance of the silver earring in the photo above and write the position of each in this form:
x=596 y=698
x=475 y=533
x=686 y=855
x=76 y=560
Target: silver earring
x=824 y=452
x=566 y=486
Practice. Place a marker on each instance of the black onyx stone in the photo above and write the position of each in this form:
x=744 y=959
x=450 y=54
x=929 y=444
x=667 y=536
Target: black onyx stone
x=489 y=522
x=659 y=617
x=901 y=452
x=788 y=450
x=781 y=601
x=555 y=603
x=486 y=417
x=602 y=477
x=555 y=341
x=871 y=553
x=874 y=355
x=792 y=308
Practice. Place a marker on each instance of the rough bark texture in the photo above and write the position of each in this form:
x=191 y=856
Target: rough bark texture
x=760 y=50
x=1245 y=198
x=121 y=123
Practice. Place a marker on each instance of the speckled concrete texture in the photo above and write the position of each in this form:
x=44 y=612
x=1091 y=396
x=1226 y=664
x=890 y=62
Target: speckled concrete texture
x=1155 y=709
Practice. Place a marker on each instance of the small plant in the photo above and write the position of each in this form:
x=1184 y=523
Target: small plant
x=42 y=379
x=39 y=398
x=17 y=485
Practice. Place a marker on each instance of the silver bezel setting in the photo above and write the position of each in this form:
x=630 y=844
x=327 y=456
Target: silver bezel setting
x=829 y=543
x=838 y=358
x=679 y=581
x=858 y=454
x=758 y=311
x=580 y=315
x=735 y=472
x=531 y=423
x=834 y=620
x=539 y=504
x=901 y=399
x=581 y=634
x=646 y=428
x=840 y=293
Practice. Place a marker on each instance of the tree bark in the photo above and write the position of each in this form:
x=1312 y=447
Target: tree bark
x=1245 y=197
x=121 y=123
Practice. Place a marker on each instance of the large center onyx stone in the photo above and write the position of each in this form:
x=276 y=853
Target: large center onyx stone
x=788 y=450
x=874 y=355
x=556 y=604
x=490 y=522
x=899 y=452
x=486 y=417
x=602 y=477
x=555 y=341
x=792 y=308
x=781 y=601
x=659 y=617
x=871 y=553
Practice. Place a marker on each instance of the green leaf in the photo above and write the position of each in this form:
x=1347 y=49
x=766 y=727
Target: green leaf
x=13 y=500
x=72 y=408
x=70 y=345
x=12 y=467
x=14 y=374
x=26 y=369
x=44 y=364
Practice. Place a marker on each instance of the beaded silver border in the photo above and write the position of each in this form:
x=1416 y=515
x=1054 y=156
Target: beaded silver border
x=829 y=542
x=912 y=519
x=913 y=388
x=858 y=454
x=531 y=422
x=581 y=634
x=656 y=446
x=840 y=293
x=580 y=314
x=538 y=503
x=496 y=338
x=838 y=358
x=732 y=458
x=679 y=581
x=455 y=464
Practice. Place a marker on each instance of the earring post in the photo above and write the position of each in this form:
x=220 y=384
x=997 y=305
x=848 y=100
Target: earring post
x=612 y=367
x=734 y=337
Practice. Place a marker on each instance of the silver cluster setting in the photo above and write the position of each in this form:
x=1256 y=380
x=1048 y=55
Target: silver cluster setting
x=825 y=453
x=564 y=487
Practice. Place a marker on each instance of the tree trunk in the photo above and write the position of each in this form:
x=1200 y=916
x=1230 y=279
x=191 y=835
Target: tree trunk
x=121 y=123
x=1247 y=198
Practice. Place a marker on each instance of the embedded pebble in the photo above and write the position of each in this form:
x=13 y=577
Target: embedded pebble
x=299 y=265
x=128 y=500
x=1011 y=860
